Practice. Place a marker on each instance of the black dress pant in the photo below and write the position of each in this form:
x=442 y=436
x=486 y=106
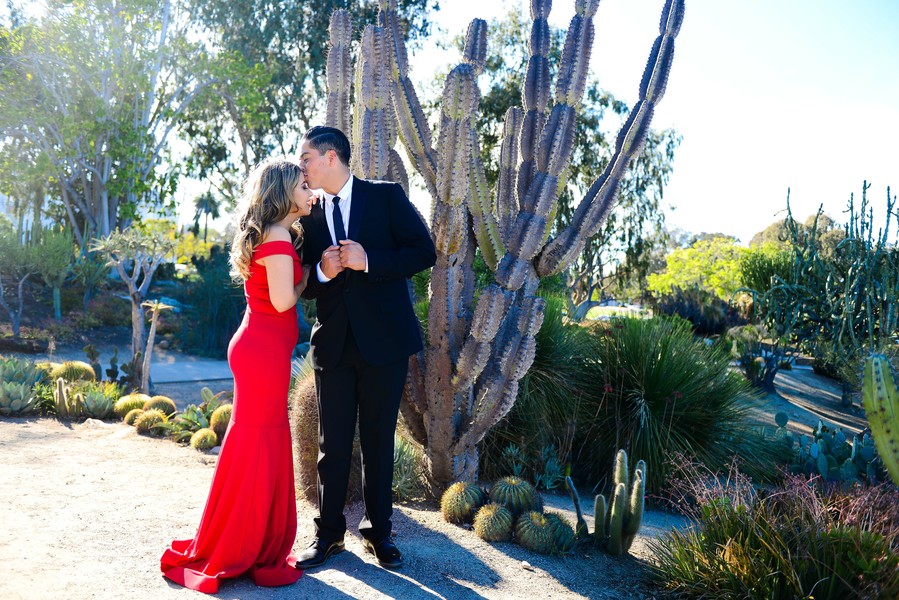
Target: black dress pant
x=356 y=389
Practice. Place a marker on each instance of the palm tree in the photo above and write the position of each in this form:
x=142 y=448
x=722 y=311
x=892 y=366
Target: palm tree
x=205 y=205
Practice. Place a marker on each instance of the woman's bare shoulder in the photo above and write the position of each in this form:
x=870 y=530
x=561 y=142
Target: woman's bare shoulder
x=276 y=233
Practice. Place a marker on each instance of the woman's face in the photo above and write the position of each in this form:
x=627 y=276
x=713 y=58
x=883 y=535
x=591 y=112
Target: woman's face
x=303 y=199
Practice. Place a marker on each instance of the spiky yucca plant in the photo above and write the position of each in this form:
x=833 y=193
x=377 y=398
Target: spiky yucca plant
x=461 y=501
x=479 y=349
x=516 y=494
x=493 y=523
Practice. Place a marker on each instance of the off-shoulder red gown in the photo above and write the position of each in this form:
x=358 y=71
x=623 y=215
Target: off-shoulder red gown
x=250 y=522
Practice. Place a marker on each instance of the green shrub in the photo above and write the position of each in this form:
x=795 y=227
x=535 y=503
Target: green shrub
x=408 y=474
x=794 y=541
x=658 y=391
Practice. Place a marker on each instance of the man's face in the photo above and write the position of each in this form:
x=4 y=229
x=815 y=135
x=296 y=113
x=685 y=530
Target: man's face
x=315 y=165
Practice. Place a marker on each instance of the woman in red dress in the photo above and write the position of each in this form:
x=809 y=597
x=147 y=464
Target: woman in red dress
x=249 y=523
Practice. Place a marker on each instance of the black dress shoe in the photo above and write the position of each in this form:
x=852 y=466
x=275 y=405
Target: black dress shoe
x=317 y=553
x=385 y=551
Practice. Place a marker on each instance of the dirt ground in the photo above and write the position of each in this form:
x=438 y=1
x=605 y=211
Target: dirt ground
x=87 y=509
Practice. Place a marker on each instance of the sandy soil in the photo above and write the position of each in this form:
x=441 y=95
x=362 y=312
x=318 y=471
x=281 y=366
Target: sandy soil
x=86 y=510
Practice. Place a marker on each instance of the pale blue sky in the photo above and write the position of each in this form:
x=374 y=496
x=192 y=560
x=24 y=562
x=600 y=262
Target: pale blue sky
x=767 y=94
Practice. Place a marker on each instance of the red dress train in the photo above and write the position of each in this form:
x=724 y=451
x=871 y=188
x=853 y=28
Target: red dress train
x=250 y=520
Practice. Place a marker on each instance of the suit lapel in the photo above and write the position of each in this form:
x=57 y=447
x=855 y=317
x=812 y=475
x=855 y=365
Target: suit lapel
x=357 y=211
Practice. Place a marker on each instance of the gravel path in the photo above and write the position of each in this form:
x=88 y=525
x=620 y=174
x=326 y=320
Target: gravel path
x=86 y=510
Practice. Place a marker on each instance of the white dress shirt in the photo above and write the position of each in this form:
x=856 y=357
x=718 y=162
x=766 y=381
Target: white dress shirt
x=346 y=201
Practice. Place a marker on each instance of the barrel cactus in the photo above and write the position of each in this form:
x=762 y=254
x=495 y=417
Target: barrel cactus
x=482 y=342
x=203 y=439
x=163 y=403
x=151 y=422
x=461 y=501
x=493 y=523
x=880 y=397
x=132 y=415
x=561 y=531
x=74 y=370
x=516 y=494
x=129 y=402
x=534 y=533
x=219 y=420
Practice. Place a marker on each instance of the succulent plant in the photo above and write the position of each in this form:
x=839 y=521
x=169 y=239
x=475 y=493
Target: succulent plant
x=461 y=501
x=129 y=402
x=880 y=397
x=151 y=422
x=534 y=533
x=219 y=420
x=188 y=422
x=616 y=528
x=69 y=405
x=132 y=415
x=561 y=531
x=480 y=347
x=96 y=404
x=203 y=439
x=163 y=403
x=493 y=523
x=74 y=370
x=17 y=381
x=829 y=454
x=516 y=494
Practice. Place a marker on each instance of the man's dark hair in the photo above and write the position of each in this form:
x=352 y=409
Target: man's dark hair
x=323 y=139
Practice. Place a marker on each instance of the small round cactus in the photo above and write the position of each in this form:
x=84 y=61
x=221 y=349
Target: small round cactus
x=533 y=532
x=461 y=501
x=219 y=420
x=146 y=421
x=203 y=439
x=562 y=532
x=493 y=523
x=163 y=403
x=74 y=370
x=516 y=494
x=129 y=402
x=132 y=415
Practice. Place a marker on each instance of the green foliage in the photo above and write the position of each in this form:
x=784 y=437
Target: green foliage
x=709 y=314
x=794 y=541
x=90 y=270
x=765 y=266
x=18 y=256
x=517 y=495
x=659 y=391
x=408 y=472
x=204 y=439
x=712 y=264
x=53 y=261
x=493 y=523
x=17 y=381
x=461 y=501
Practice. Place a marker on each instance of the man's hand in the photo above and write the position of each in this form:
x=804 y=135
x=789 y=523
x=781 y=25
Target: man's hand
x=331 y=262
x=352 y=255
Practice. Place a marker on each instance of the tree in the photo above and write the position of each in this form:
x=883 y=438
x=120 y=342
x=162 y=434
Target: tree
x=712 y=264
x=205 y=205
x=17 y=263
x=54 y=254
x=97 y=87
x=142 y=252
x=623 y=245
x=269 y=73
x=480 y=347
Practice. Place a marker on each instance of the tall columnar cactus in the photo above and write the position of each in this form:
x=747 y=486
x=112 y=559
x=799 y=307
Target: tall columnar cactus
x=467 y=378
x=881 y=400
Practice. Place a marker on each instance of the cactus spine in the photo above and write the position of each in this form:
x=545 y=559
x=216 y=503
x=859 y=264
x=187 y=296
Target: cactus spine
x=467 y=379
x=881 y=400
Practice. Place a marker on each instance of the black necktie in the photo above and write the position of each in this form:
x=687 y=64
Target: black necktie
x=339 y=229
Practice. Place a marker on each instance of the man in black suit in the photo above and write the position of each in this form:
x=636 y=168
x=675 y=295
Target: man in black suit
x=365 y=239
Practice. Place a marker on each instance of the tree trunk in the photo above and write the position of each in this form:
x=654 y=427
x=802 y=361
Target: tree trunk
x=137 y=337
x=57 y=304
x=145 y=370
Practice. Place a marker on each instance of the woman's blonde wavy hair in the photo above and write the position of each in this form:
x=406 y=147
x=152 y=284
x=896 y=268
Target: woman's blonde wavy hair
x=266 y=199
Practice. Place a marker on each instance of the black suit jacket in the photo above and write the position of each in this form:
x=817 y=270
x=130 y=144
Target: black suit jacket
x=375 y=305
